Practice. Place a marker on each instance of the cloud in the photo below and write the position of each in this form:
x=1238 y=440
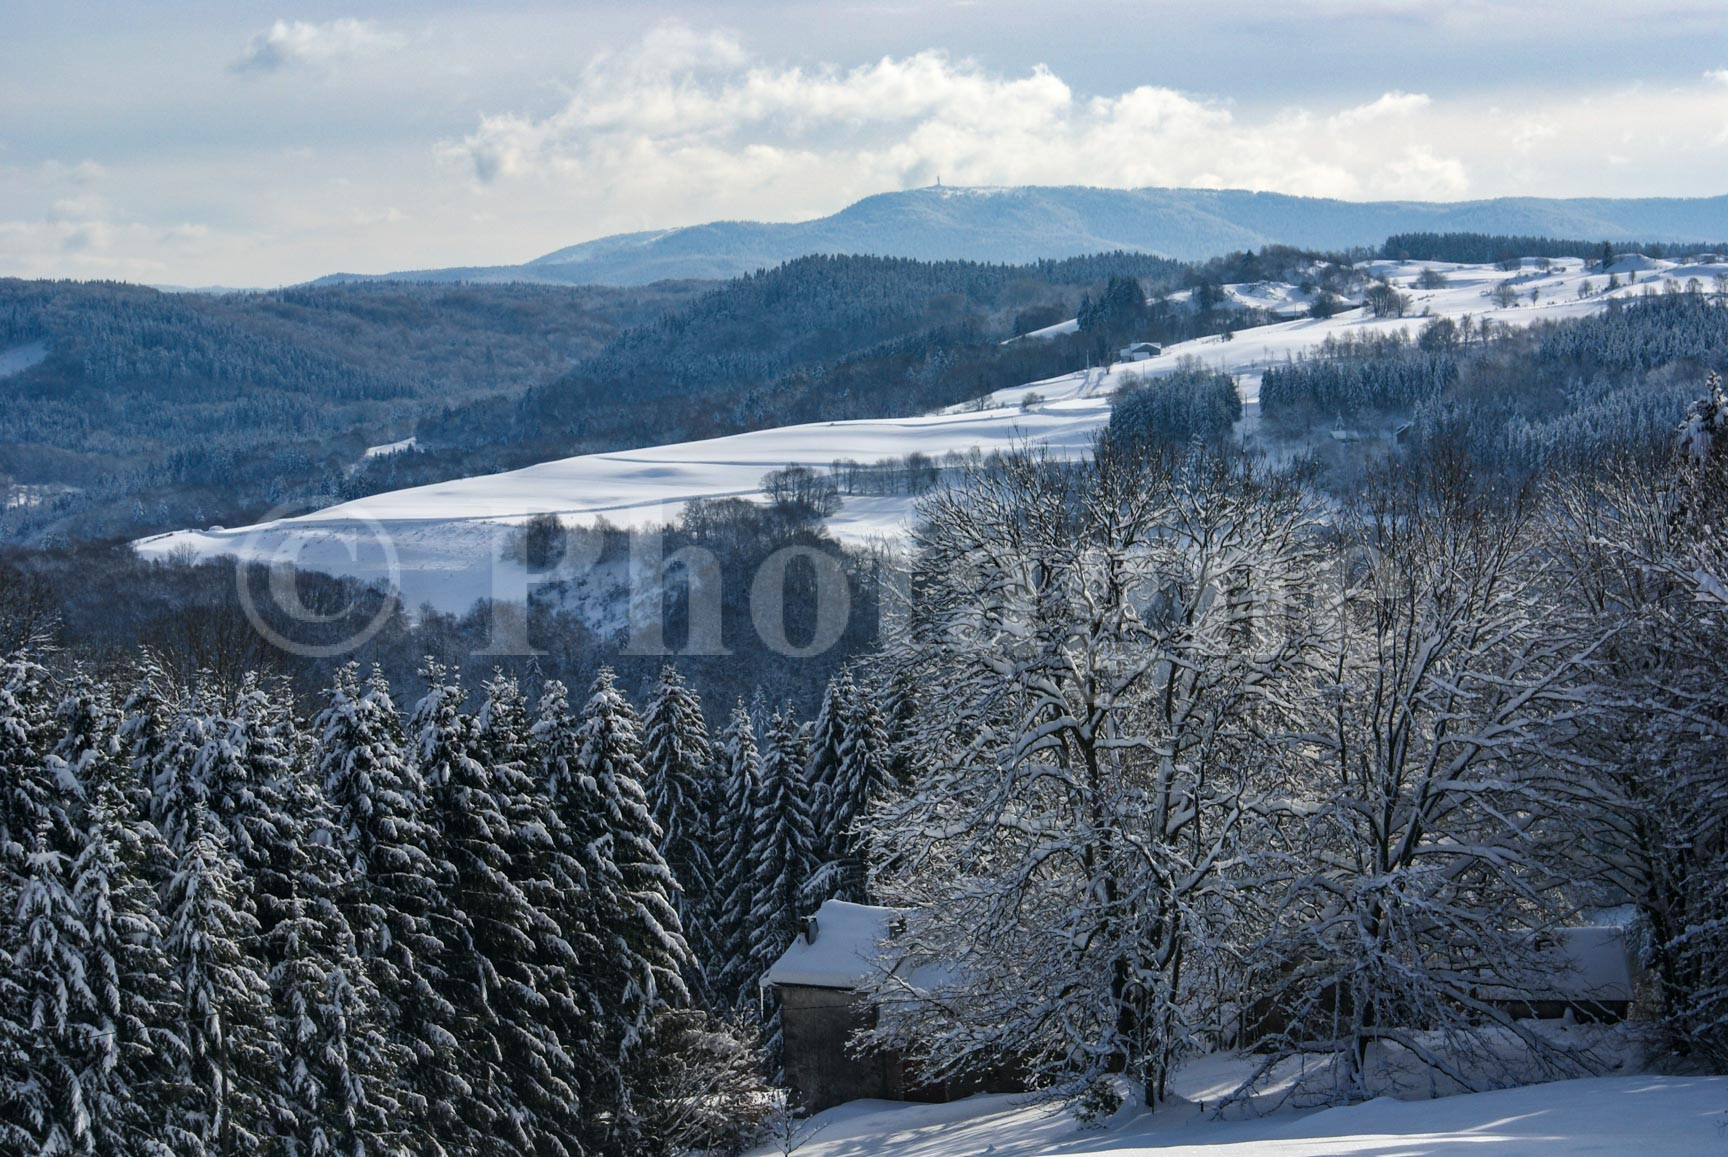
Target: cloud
x=294 y=43
x=691 y=115
x=82 y=207
x=686 y=125
x=1391 y=105
x=83 y=172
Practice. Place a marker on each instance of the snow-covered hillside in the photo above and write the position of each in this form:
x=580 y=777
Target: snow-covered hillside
x=439 y=543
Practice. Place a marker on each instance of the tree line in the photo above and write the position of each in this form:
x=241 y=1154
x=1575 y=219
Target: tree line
x=480 y=926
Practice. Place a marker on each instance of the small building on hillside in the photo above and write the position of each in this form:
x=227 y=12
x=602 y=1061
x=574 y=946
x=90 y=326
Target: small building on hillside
x=1139 y=351
x=1586 y=973
x=818 y=981
x=1589 y=973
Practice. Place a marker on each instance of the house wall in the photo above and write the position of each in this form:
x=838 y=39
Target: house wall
x=815 y=1026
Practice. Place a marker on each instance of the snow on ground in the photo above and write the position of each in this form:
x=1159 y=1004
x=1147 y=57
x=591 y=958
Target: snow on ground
x=21 y=357
x=389 y=448
x=1647 y=1116
x=440 y=544
x=1072 y=325
x=1274 y=297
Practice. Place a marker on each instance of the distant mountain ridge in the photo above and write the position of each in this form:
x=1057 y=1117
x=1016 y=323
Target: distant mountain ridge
x=1031 y=222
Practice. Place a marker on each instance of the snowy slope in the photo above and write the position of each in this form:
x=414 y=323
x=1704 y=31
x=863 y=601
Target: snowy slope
x=439 y=543
x=1611 y=1116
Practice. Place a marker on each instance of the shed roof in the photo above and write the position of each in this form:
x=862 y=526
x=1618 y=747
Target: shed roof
x=844 y=951
x=1578 y=964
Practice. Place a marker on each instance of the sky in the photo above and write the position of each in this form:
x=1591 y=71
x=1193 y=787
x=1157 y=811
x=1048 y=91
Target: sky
x=225 y=142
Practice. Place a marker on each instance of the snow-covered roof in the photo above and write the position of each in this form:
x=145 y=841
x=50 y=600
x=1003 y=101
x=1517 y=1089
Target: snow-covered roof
x=1578 y=964
x=1592 y=963
x=842 y=954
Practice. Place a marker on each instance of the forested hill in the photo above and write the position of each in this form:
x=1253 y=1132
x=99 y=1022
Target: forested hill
x=819 y=338
x=1027 y=223
x=125 y=410
x=131 y=407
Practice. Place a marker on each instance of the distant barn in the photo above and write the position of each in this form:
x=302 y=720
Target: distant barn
x=817 y=982
x=1139 y=351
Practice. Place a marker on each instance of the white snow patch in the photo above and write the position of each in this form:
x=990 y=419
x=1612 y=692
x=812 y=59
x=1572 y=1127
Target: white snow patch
x=389 y=448
x=21 y=357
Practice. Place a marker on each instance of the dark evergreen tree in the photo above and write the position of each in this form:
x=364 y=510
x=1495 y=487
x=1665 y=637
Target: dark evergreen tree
x=541 y=974
x=827 y=743
x=251 y=767
x=783 y=860
x=170 y=738
x=47 y=969
x=900 y=712
x=647 y=925
x=581 y=861
x=31 y=800
x=595 y=780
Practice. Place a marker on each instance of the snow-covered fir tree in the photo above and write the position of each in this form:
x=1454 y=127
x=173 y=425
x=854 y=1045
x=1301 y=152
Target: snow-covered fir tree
x=41 y=937
x=33 y=796
x=47 y=969
x=827 y=739
x=521 y=930
x=578 y=864
x=468 y=826
x=649 y=954
x=1704 y=430
x=232 y=1061
x=783 y=844
x=129 y=1062
x=339 y=1067
x=171 y=737
x=251 y=765
x=392 y=891
x=592 y=767
x=741 y=775
x=852 y=753
x=679 y=781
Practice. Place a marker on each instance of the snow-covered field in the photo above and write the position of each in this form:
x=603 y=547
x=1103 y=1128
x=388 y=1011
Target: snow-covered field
x=1613 y=1116
x=440 y=544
